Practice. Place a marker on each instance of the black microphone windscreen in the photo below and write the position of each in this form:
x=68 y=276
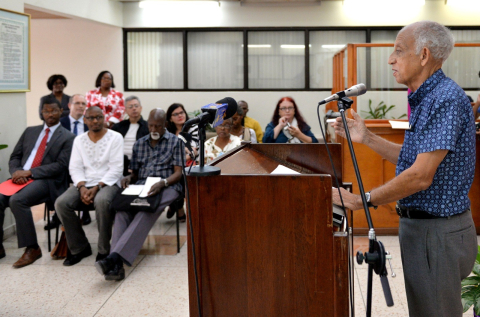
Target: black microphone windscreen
x=232 y=106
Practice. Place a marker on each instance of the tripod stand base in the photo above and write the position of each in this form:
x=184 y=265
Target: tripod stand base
x=198 y=171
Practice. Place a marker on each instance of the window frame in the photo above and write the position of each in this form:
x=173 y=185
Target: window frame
x=245 y=31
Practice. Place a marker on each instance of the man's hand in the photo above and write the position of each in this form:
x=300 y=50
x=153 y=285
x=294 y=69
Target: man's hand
x=88 y=195
x=126 y=181
x=20 y=177
x=351 y=201
x=156 y=188
x=356 y=126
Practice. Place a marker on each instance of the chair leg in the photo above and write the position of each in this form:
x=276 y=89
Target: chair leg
x=57 y=229
x=178 y=232
x=48 y=224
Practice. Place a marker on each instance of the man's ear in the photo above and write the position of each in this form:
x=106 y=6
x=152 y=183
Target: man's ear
x=425 y=56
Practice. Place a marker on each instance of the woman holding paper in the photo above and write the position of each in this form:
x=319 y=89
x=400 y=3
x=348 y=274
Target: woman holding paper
x=288 y=125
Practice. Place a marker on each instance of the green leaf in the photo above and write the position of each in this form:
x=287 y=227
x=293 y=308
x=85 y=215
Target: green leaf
x=478 y=255
x=476 y=269
x=3 y=146
x=471 y=280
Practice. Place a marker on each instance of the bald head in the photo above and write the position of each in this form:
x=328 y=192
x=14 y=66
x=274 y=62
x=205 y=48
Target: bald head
x=94 y=119
x=157 y=114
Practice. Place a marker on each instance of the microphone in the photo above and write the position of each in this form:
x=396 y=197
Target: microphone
x=187 y=139
x=214 y=113
x=353 y=91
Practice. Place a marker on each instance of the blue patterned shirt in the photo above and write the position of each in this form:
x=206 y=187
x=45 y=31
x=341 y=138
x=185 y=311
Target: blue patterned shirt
x=158 y=161
x=441 y=119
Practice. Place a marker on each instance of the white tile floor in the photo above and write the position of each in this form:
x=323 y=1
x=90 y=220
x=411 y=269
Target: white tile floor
x=156 y=285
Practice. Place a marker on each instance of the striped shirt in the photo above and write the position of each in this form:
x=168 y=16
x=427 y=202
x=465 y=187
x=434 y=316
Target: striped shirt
x=158 y=161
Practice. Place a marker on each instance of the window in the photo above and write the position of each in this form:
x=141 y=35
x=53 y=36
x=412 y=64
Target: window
x=276 y=60
x=215 y=60
x=155 y=60
x=323 y=46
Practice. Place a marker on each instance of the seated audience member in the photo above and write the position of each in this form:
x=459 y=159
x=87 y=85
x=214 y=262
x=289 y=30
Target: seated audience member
x=107 y=99
x=249 y=122
x=245 y=134
x=56 y=84
x=158 y=155
x=223 y=142
x=298 y=130
x=132 y=128
x=96 y=166
x=47 y=166
x=475 y=106
x=74 y=121
x=176 y=117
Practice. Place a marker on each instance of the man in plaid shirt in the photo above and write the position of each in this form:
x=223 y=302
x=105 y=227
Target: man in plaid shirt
x=156 y=155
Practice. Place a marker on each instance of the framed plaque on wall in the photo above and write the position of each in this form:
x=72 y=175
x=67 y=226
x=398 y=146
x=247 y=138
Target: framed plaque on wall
x=14 y=51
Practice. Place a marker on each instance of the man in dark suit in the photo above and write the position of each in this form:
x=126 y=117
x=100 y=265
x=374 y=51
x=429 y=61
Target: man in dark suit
x=74 y=121
x=47 y=166
x=132 y=129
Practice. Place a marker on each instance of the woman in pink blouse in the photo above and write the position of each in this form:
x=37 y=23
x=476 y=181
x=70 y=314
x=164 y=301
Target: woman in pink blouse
x=108 y=99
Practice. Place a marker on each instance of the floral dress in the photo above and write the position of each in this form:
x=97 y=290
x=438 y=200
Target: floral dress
x=212 y=151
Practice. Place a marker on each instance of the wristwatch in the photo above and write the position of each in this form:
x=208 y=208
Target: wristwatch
x=165 y=182
x=369 y=203
x=100 y=186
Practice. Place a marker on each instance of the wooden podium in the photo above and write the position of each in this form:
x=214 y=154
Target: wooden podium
x=265 y=244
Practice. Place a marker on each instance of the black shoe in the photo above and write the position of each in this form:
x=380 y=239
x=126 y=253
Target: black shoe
x=104 y=266
x=74 y=259
x=86 y=219
x=100 y=257
x=54 y=223
x=170 y=212
x=2 y=252
x=116 y=274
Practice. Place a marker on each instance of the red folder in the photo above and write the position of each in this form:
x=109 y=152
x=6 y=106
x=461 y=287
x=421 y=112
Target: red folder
x=8 y=188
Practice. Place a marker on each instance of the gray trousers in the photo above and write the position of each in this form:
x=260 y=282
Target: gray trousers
x=436 y=255
x=33 y=194
x=131 y=229
x=70 y=201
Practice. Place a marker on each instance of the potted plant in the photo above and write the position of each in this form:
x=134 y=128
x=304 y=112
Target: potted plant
x=471 y=289
x=380 y=111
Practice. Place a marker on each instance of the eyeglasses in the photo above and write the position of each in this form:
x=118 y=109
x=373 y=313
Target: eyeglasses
x=178 y=114
x=287 y=108
x=80 y=103
x=226 y=126
x=60 y=83
x=133 y=106
x=93 y=118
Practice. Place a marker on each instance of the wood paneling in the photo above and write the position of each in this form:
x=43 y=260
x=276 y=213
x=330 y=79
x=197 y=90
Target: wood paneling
x=265 y=243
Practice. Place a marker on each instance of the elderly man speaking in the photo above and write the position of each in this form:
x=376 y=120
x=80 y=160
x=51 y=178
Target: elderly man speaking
x=435 y=169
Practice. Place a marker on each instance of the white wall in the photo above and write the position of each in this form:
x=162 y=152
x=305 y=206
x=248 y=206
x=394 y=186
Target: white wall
x=79 y=49
x=104 y=11
x=329 y=13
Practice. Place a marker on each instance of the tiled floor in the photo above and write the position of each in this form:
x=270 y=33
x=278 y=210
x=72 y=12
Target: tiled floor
x=156 y=285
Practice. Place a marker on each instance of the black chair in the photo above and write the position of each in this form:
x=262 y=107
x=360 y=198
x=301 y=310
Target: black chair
x=174 y=207
x=49 y=206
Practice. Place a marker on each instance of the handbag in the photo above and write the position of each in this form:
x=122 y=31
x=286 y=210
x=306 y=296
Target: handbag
x=134 y=203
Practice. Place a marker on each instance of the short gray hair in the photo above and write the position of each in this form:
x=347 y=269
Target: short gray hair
x=130 y=98
x=240 y=111
x=434 y=36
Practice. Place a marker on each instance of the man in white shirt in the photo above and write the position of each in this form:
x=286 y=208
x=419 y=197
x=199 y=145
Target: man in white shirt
x=74 y=121
x=96 y=166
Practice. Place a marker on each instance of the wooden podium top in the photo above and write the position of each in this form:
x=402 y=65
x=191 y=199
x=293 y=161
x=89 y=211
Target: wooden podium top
x=264 y=158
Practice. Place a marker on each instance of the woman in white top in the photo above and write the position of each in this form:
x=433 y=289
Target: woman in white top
x=223 y=142
x=246 y=134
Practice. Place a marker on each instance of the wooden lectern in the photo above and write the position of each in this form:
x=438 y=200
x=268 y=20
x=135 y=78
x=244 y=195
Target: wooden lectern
x=265 y=244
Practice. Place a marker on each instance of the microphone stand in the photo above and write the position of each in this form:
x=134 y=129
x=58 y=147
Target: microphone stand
x=376 y=256
x=202 y=170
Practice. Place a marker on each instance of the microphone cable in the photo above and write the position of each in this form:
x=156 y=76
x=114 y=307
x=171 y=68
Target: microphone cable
x=190 y=226
x=349 y=236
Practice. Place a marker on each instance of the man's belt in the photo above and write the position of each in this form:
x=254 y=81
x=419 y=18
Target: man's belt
x=412 y=213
